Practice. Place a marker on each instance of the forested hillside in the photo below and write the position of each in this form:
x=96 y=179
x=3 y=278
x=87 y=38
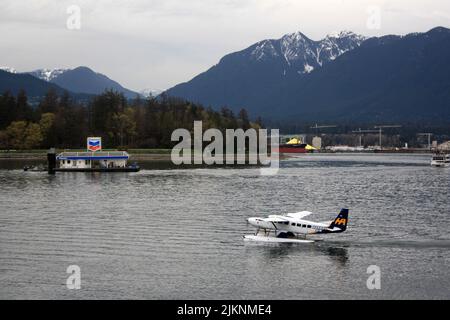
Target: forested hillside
x=60 y=122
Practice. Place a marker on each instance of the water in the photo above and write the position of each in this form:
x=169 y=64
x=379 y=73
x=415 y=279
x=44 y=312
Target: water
x=177 y=233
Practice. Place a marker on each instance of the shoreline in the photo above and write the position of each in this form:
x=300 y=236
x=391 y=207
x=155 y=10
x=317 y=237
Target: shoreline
x=41 y=155
x=165 y=154
x=150 y=156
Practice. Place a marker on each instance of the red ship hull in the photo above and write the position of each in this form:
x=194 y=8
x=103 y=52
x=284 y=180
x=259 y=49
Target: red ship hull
x=292 y=148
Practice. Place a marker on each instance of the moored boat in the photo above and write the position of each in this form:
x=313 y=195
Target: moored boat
x=440 y=160
x=35 y=168
x=295 y=145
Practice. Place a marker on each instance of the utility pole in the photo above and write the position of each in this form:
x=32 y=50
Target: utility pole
x=317 y=127
x=429 y=134
x=380 y=130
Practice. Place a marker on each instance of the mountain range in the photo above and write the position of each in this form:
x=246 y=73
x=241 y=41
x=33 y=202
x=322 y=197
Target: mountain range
x=343 y=77
x=33 y=86
x=80 y=80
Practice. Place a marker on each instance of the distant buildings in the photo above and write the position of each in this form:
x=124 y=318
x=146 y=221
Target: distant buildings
x=444 y=146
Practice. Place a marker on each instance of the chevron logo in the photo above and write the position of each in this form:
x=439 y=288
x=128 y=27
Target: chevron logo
x=94 y=144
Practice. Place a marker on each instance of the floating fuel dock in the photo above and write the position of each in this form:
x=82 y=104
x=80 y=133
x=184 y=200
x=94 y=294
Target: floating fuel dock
x=112 y=161
x=93 y=160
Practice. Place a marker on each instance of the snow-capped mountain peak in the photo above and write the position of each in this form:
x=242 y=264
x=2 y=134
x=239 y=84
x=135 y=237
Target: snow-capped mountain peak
x=340 y=34
x=302 y=53
x=150 y=92
x=48 y=74
x=8 y=69
x=264 y=49
x=346 y=35
x=296 y=36
x=43 y=74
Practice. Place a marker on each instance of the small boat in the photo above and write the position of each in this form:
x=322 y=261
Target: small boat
x=295 y=145
x=35 y=168
x=440 y=160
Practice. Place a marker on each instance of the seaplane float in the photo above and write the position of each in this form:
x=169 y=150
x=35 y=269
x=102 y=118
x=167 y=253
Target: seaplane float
x=292 y=228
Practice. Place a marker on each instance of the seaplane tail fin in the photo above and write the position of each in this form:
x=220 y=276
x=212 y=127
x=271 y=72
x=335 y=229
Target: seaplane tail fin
x=341 y=220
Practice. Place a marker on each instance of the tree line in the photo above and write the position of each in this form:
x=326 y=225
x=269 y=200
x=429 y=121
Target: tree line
x=59 y=121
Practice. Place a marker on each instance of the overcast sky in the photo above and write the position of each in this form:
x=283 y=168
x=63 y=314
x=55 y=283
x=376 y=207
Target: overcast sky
x=159 y=43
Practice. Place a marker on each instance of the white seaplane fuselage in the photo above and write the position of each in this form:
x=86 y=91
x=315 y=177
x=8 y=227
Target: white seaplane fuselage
x=292 y=226
x=286 y=224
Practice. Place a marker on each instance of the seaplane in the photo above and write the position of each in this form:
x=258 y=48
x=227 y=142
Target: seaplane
x=291 y=227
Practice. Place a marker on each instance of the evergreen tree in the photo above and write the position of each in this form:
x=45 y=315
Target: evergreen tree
x=22 y=110
x=49 y=103
x=63 y=123
x=243 y=119
x=7 y=109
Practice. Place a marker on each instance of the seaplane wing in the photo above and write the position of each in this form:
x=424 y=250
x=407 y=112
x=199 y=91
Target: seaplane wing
x=298 y=215
x=276 y=218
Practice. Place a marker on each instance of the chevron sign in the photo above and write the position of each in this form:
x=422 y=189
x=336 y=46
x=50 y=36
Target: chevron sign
x=94 y=143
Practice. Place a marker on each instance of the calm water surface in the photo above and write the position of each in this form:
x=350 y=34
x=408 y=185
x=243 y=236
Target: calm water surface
x=177 y=233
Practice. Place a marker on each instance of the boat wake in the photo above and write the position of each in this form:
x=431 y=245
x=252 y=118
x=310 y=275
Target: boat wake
x=419 y=244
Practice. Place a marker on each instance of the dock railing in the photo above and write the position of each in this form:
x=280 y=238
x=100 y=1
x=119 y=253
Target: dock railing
x=94 y=154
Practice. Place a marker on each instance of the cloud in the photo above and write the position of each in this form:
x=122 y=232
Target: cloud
x=158 y=43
